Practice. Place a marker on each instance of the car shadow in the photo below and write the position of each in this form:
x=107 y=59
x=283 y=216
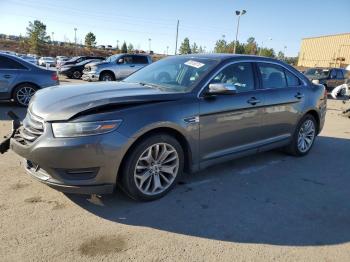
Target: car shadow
x=7 y=106
x=270 y=198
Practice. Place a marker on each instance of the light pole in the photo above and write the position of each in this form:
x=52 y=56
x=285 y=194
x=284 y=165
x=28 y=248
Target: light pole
x=75 y=39
x=52 y=33
x=149 y=45
x=239 y=13
x=167 y=50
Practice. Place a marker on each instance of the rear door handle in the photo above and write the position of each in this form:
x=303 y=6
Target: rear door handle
x=7 y=76
x=299 y=95
x=253 y=101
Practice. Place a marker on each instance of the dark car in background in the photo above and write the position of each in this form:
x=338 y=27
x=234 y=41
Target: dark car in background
x=76 y=70
x=19 y=79
x=181 y=113
x=78 y=59
x=329 y=77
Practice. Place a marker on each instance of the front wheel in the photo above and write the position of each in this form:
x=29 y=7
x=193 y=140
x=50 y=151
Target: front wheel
x=107 y=77
x=152 y=168
x=304 y=137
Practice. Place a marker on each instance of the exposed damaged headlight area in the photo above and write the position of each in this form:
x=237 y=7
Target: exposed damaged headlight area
x=33 y=127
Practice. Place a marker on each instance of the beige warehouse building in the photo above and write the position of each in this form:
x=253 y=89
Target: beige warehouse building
x=325 y=51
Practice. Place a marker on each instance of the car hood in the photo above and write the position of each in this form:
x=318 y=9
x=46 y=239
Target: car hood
x=99 y=63
x=59 y=103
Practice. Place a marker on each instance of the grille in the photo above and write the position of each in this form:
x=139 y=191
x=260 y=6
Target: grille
x=33 y=127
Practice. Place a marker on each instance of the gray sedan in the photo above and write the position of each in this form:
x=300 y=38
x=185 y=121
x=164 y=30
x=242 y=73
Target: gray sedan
x=19 y=79
x=181 y=113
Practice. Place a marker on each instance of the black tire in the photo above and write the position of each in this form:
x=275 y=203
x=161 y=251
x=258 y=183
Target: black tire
x=127 y=180
x=293 y=148
x=342 y=92
x=106 y=76
x=19 y=90
x=76 y=74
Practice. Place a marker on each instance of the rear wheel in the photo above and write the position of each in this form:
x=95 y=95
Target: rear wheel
x=76 y=75
x=23 y=93
x=304 y=136
x=152 y=168
x=106 y=76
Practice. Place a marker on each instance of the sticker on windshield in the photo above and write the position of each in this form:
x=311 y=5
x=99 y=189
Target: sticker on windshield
x=194 y=64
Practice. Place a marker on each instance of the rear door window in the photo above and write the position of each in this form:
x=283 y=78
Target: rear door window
x=272 y=76
x=140 y=60
x=7 y=63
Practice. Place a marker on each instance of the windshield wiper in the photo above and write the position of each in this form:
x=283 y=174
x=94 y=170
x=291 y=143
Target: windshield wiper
x=151 y=85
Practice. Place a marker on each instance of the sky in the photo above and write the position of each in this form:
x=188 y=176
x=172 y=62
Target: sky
x=278 y=24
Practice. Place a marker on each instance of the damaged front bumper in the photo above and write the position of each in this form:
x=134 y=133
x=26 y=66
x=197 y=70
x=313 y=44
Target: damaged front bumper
x=83 y=165
x=5 y=144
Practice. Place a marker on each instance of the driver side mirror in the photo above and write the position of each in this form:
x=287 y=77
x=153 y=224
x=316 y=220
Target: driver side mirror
x=120 y=61
x=222 y=89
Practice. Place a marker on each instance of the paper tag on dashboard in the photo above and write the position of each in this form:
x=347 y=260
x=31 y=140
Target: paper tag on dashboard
x=194 y=64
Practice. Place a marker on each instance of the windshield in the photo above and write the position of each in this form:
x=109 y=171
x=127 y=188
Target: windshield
x=73 y=59
x=112 y=58
x=175 y=74
x=317 y=72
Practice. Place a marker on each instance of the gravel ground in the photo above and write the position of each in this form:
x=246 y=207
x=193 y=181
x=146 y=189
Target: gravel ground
x=268 y=207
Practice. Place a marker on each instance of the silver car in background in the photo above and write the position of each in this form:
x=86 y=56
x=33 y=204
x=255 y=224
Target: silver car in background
x=19 y=79
x=115 y=67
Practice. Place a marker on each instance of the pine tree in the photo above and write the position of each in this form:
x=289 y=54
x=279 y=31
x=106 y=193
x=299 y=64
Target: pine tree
x=185 y=47
x=124 y=49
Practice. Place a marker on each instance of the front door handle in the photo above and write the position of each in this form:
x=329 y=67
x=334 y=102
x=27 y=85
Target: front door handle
x=132 y=66
x=253 y=101
x=7 y=76
x=299 y=95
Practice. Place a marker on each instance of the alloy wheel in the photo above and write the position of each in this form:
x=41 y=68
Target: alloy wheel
x=156 y=169
x=107 y=78
x=24 y=95
x=306 y=136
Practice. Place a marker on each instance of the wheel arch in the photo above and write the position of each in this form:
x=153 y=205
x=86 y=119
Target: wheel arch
x=162 y=130
x=107 y=71
x=316 y=115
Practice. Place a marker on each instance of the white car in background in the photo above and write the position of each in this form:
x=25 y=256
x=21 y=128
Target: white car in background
x=46 y=60
x=60 y=60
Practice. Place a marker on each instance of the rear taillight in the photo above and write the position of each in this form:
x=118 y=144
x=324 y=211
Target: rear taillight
x=54 y=77
x=325 y=95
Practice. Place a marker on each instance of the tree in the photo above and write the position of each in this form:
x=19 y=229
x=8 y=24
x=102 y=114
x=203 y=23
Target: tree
x=130 y=48
x=251 y=48
x=124 y=49
x=200 y=50
x=269 y=52
x=194 y=48
x=185 y=47
x=220 y=46
x=37 y=37
x=280 y=56
x=90 y=40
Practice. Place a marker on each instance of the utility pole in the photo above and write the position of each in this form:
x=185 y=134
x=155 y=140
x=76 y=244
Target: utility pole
x=75 y=39
x=177 y=36
x=239 y=14
x=167 y=50
x=149 y=45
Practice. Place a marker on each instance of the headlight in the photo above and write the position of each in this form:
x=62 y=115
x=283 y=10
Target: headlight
x=84 y=128
x=93 y=68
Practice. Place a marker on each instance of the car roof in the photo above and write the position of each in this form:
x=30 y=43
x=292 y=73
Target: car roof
x=225 y=56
